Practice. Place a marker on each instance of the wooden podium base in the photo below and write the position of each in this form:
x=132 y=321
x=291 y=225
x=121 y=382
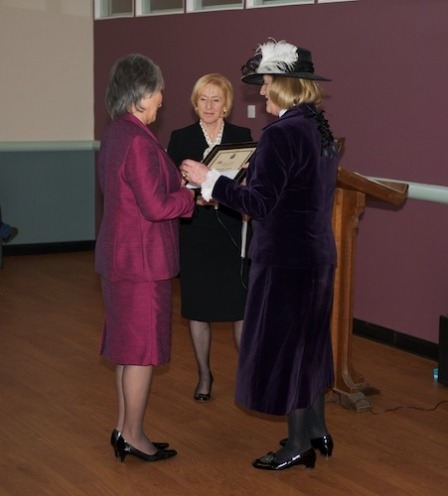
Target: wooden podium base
x=352 y=401
x=350 y=389
x=356 y=398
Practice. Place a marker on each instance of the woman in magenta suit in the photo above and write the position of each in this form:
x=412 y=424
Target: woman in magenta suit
x=285 y=361
x=137 y=251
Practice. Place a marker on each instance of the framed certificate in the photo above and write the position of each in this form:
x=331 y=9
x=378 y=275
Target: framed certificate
x=229 y=159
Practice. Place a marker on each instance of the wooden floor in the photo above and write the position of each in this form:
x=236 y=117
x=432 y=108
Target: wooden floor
x=57 y=408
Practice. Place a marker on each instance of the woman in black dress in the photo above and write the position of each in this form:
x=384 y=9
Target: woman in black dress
x=212 y=271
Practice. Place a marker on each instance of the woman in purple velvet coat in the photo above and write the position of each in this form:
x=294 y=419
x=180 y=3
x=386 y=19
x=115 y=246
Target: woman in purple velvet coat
x=286 y=362
x=137 y=250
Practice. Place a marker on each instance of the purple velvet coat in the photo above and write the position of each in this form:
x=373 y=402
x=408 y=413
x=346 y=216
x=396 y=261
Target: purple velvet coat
x=285 y=359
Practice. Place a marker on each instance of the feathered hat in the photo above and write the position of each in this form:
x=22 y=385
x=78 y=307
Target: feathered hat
x=279 y=58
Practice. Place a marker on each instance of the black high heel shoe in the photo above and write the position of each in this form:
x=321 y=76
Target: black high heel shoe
x=124 y=449
x=117 y=434
x=324 y=444
x=270 y=462
x=201 y=397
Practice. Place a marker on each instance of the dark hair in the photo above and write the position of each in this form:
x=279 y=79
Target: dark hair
x=132 y=78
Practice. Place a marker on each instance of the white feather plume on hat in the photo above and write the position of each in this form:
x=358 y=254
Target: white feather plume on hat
x=277 y=57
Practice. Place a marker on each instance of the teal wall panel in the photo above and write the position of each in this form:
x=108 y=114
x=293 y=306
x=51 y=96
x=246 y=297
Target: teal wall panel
x=49 y=194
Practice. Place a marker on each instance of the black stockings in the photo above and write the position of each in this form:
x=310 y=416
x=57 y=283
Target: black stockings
x=201 y=337
x=304 y=424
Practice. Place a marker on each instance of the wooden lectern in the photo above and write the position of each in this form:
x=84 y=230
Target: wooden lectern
x=350 y=389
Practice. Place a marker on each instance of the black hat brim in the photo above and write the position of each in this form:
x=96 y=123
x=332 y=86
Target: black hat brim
x=256 y=78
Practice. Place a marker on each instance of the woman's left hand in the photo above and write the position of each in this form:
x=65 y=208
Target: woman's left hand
x=193 y=171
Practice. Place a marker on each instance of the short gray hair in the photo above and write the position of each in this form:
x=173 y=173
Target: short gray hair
x=132 y=78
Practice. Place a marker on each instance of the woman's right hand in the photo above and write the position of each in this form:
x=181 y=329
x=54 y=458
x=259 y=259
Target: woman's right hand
x=193 y=171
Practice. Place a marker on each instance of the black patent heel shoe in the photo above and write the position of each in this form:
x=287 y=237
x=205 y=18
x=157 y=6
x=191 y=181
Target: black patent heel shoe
x=270 y=461
x=324 y=444
x=201 y=397
x=117 y=434
x=124 y=449
x=113 y=440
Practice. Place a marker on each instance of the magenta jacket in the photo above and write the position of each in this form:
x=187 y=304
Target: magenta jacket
x=139 y=235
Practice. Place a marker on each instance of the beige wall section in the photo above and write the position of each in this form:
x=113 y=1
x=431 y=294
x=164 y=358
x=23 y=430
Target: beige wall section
x=46 y=74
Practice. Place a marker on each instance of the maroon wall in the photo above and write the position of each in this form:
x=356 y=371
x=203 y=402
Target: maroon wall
x=388 y=98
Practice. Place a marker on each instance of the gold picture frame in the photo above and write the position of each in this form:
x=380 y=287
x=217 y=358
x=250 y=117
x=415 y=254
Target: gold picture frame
x=229 y=159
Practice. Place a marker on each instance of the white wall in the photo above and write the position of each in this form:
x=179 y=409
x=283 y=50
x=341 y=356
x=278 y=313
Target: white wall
x=46 y=70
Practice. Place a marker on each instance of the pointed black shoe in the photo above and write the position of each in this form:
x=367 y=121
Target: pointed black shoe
x=270 y=462
x=324 y=444
x=124 y=449
x=116 y=434
x=201 y=397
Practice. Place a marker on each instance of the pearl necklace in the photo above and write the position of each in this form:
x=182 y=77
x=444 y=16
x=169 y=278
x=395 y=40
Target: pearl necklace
x=211 y=143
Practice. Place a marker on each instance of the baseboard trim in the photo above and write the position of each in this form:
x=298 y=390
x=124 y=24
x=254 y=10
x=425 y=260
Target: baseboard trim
x=414 y=345
x=46 y=248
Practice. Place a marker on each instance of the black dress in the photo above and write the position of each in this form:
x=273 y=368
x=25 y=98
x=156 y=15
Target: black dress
x=212 y=274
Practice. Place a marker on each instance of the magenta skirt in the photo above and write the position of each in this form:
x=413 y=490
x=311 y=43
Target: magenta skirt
x=137 y=327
